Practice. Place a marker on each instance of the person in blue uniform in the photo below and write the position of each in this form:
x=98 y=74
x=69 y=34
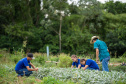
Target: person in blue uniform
x=23 y=67
x=89 y=64
x=76 y=62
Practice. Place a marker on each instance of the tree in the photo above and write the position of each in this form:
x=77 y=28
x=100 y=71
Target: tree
x=115 y=7
x=56 y=10
x=18 y=19
x=115 y=37
x=91 y=13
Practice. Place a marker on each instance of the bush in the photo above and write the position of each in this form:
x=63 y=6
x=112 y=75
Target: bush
x=16 y=58
x=65 y=61
x=54 y=59
x=39 y=59
x=1 y=55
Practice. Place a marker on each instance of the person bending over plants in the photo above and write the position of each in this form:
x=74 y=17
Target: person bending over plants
x=89 y=64
x=102 y=52
x=76 y=62
x=23 y=67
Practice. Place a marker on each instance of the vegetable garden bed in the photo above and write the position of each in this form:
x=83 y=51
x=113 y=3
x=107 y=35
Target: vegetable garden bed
x=81 y=76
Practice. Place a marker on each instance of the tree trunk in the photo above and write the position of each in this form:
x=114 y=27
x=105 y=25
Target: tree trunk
x=60 y=34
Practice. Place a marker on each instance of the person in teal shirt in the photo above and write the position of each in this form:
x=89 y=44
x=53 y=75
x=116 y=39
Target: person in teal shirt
x=101 y=51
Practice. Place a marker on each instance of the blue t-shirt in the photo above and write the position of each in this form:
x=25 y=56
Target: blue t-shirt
x=92 y=64
x=22 y=64
x=77 y=63
x=103 y=52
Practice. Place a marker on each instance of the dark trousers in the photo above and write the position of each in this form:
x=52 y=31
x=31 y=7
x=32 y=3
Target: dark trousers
x=24 y=72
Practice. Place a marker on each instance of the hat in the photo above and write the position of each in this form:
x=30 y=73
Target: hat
x=30 y=55
x=94 y=37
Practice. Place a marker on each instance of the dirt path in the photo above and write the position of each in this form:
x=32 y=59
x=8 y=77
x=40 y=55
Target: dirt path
x=113 y=64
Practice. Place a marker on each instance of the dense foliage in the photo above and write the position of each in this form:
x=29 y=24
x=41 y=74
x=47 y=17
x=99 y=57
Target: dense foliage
x=23 y=25
x=81 y=76
x=63 y=75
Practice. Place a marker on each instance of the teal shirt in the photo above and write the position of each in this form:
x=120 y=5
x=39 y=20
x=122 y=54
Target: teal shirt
x=103 y=52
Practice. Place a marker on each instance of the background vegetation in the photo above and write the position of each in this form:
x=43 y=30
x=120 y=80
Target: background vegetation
x=23 y=25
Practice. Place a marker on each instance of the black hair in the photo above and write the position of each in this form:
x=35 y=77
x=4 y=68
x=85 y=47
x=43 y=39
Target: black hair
x=30 y=55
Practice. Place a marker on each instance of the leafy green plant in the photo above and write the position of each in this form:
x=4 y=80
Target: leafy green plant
x=39 y=59
x=80 y=76
x=54 y=59
x=1 y=55
x=15 y=59
x=42 y=73
x=65 y=61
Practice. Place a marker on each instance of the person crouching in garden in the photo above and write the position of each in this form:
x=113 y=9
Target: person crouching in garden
x=101 y=51
x=89 y=64
x=76 y=62
x=23 y=67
